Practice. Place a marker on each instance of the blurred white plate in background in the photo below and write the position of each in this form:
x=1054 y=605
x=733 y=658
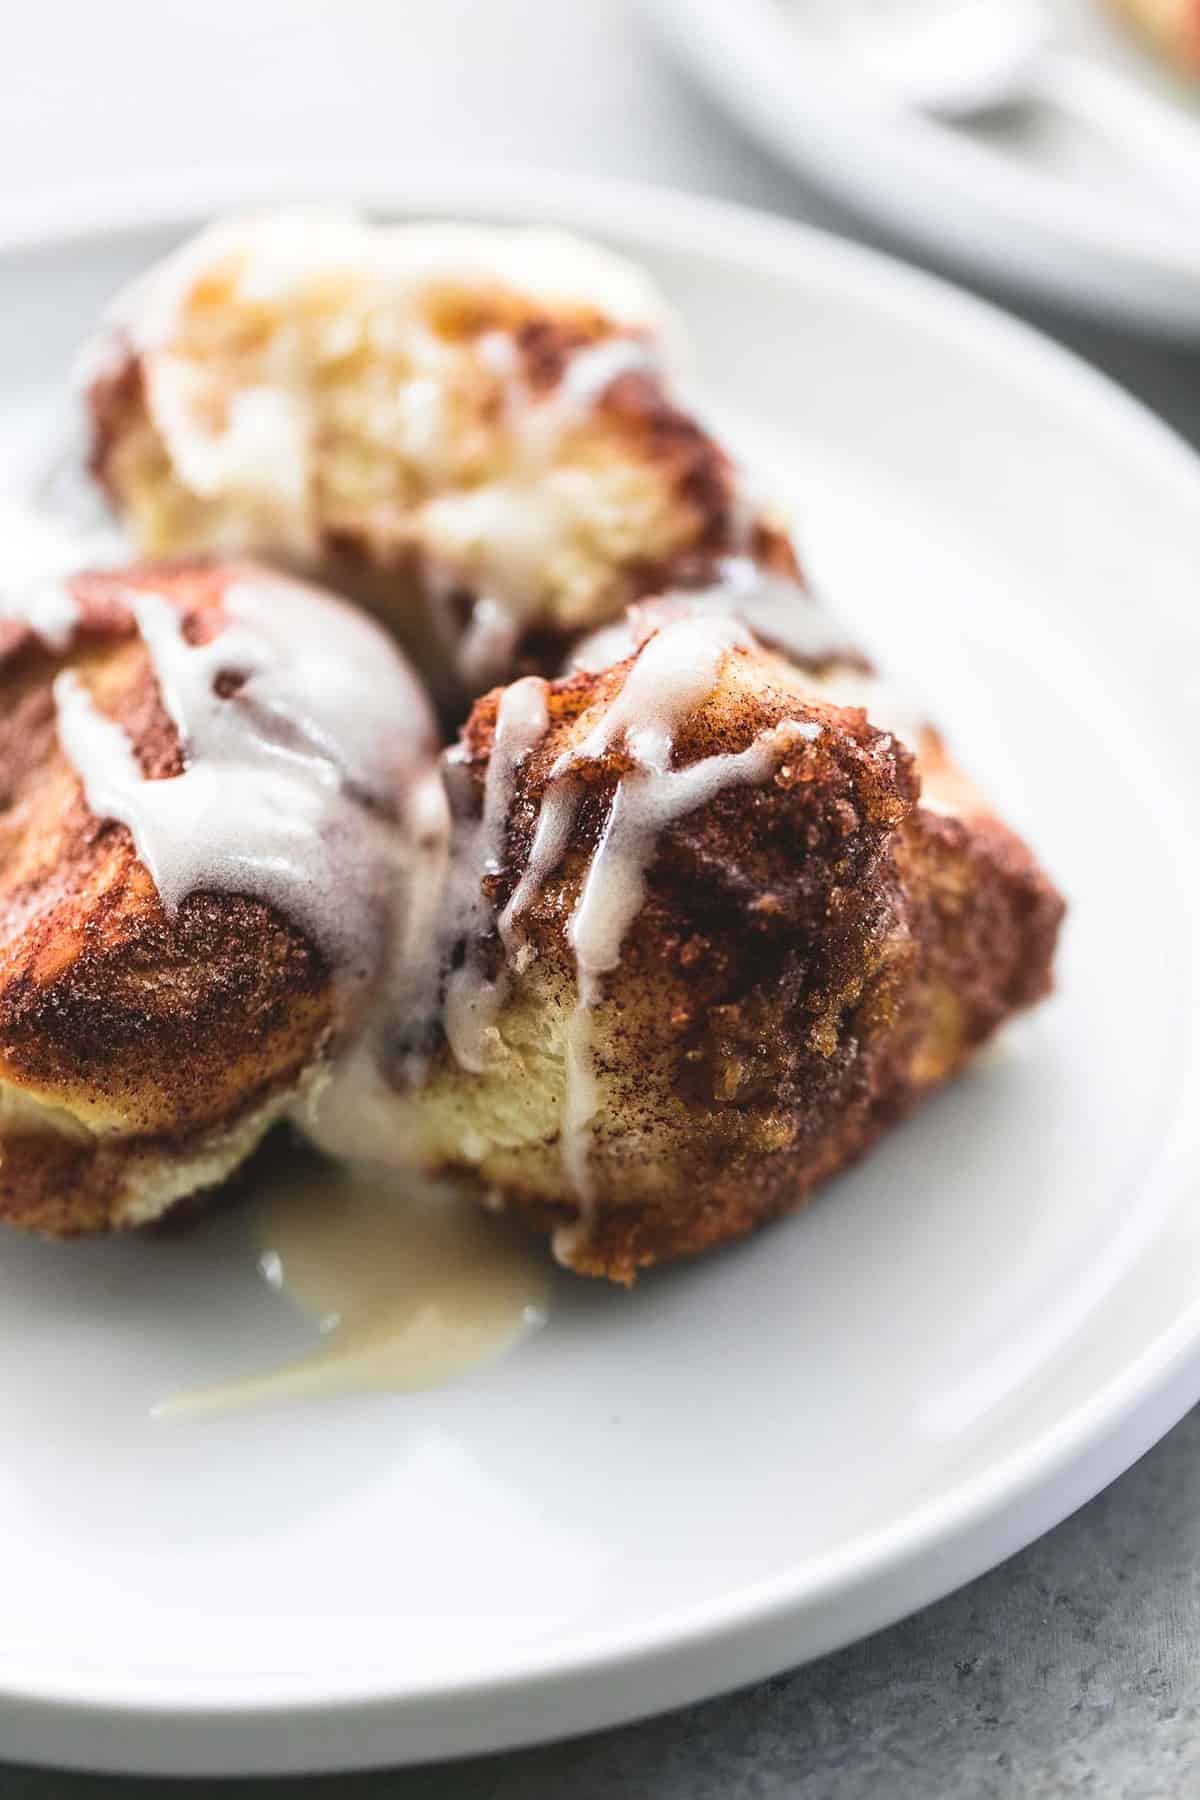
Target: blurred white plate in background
x=751 y=1460
x=1030 y=200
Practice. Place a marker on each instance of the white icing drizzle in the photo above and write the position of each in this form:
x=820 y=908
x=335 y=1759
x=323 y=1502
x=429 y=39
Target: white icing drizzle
x=484 y=652
x=679 y=641
x=552 y=834
x=675 y=672
x=780 y=611
x=581 y=1106
x=472 y=1000
x=310 y=782
x=645 y=803
x=517 y=517
x=540 y=423
x=249 y=433
x=48 y=607
x=522 y=720
x=784 y=616
x=409 y=1284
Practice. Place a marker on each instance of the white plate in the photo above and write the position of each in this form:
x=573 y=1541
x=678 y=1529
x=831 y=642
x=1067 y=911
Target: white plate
x=756 y=1458
x=1033 y=202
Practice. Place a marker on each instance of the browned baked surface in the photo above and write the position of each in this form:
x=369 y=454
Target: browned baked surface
x=134 y=1048
x=813 y=956
x=635 y=423
x=627 y=496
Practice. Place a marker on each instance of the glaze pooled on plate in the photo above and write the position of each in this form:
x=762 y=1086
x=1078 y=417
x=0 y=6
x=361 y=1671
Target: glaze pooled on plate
x=410 y=1283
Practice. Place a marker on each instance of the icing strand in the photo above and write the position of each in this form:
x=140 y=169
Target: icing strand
x=515 y=516
x=48 y=608
x=540 y=424
x=552 y=834
x=780 y=611
x=472 y=1000
x=675 y=672
x=310 y=782
x=645 y=804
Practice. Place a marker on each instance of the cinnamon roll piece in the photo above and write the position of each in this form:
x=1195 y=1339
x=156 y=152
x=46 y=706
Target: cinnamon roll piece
x=218 y=800
x=474 y=430
x=728 y=927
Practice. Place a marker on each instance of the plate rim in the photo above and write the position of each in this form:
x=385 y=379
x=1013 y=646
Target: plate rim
x=588 y=1681
x=981 y=212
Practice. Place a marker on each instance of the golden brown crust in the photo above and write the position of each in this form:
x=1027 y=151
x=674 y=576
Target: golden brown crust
x=154 y=1035
x=636 y=413
x=66 y=1186
x=813 y=956
x=635 y=496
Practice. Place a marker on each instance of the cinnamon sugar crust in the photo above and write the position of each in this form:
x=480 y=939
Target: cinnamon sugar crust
x=813 y=956
x=132 y=1045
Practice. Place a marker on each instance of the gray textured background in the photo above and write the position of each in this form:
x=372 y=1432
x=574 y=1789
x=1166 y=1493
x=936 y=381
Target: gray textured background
x=1074 y=1668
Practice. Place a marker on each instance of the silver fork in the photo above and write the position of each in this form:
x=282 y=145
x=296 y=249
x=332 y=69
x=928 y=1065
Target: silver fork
x=961 y=59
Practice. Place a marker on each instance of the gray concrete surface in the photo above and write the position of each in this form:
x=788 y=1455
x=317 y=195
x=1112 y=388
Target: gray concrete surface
x=1074 y=1668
